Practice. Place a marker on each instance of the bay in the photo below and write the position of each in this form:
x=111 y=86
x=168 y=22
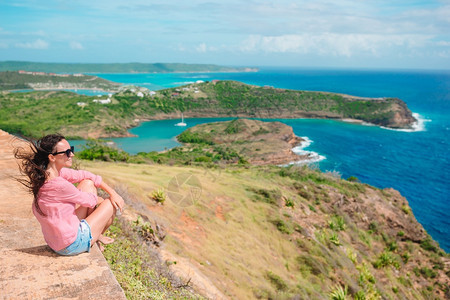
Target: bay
x=416 y=163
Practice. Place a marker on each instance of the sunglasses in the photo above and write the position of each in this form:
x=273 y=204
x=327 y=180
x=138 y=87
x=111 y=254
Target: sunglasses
x=67 y=152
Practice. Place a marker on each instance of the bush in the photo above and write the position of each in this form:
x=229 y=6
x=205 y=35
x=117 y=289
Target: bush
x=353 y=179
x=159 y=196
x=386 y=259
x=337 y=223
x=339 y=293
x=282 y=226
x=429 y=245
x=268 y=196
x=335 y=239
x=428 y=273
x=276 y=281
x=373 y=227
x=289 y=202
x=99 y=150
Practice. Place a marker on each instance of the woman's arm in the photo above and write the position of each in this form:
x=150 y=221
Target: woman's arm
x=75 y=176
x=115 y=198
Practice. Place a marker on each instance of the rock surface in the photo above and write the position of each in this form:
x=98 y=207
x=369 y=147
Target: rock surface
x=29 y=269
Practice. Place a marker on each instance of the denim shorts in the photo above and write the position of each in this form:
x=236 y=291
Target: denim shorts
x=82 y=243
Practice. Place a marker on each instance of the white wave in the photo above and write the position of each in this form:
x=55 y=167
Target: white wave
x=198 y=76
x=417 y=126
x=183 y=82
x=312 y=157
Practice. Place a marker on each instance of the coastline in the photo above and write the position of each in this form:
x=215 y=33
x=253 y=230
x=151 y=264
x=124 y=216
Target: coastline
x=175 y=116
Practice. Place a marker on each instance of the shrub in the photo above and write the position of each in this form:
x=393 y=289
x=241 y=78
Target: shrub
x=268 y=196
x=353 y=179
x=360 y=295
x=405 y=257
x=159 y=196
x=373 y=227
x=282 y=226
x=289 y=202
x=406 y=209
x=339 y=293
x=364 y=275
x=276 y=281
x=144 y=229
x=335 y=239
x=203 y=159
x=428 y=273
x=386 y=259
x=392 y=246
x=429 y=245
x=99 y=150
x=313 y=264
x=337 y=223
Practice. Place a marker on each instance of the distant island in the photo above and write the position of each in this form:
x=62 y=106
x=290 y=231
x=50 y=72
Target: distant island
x=20 y=80
x=117 y=67
x=80 y=116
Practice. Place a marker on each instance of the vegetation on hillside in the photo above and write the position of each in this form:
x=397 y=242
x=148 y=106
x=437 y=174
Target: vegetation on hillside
x=21 y=113
x=289 y=232
x=112 y=68
x=15 y=80
x=137 y=268
x=273 y=232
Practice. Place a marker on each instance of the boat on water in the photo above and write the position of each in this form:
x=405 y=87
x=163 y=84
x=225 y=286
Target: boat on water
x=182 y=122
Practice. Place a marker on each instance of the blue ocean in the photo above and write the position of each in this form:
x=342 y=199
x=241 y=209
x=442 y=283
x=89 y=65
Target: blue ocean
x=416 y=163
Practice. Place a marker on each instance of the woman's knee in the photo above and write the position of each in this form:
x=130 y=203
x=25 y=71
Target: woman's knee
x=87 y=185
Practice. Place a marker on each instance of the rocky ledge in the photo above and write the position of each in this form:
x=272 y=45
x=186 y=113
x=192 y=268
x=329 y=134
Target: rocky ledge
x=29 y=269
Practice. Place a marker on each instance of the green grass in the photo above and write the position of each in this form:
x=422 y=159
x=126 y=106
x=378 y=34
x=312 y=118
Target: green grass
x=140 y=274
x=262 y=248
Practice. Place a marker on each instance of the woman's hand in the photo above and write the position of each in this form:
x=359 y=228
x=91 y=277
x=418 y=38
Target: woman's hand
x=117 y=201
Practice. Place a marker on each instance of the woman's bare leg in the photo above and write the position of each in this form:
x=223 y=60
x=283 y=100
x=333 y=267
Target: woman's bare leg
x=83 y=212
x=88 y=186
x=100 y=219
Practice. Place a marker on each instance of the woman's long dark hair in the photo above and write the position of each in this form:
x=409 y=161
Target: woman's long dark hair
x=33 y=164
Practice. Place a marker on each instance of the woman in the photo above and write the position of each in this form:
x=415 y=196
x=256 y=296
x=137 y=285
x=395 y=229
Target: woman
x=72 y=218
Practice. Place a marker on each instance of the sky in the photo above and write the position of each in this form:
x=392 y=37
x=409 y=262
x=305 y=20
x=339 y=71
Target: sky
x=399 y=34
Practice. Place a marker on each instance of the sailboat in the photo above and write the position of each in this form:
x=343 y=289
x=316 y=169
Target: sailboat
x=182 y=121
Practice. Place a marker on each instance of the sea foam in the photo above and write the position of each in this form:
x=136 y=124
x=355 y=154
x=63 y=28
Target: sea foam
x=312 y=156
x=417 y=126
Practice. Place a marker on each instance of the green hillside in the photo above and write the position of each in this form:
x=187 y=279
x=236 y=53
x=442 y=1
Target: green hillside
x=272 y=233
x=36 y=113
x=15 y=81
x=233 y=229
x=112 y=67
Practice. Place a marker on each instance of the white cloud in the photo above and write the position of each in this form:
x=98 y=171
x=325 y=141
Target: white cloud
x=203 y=48
x=37 y=44
x=443 y=43
x=76 y=45
x=345 y=45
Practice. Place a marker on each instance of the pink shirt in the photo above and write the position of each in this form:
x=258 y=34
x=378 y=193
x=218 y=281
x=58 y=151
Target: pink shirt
x=57 y=200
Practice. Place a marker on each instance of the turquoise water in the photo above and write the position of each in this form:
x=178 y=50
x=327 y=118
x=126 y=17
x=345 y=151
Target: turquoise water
x=415 y=163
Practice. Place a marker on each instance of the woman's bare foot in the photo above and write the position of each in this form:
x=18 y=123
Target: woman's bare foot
x=105 y=240
x=100 y=246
